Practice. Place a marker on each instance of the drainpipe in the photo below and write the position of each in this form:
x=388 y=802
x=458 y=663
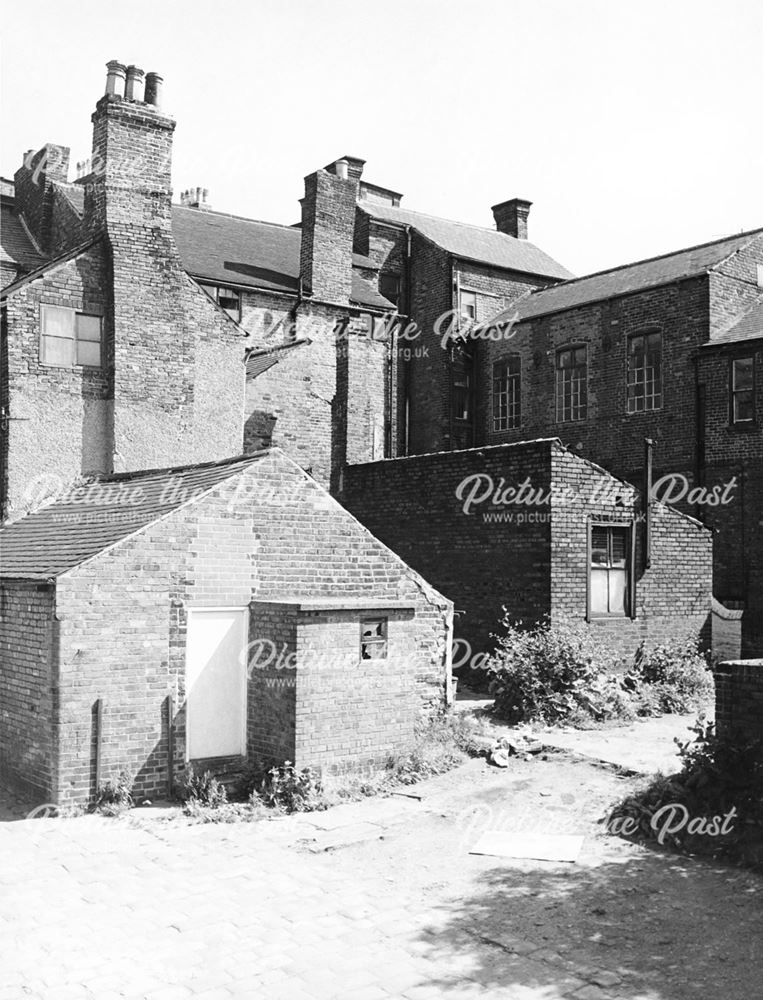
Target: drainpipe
x=409 y=362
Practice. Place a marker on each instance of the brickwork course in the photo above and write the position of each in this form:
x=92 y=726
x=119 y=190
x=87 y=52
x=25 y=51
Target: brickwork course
x=96 y=599
x=536 y=544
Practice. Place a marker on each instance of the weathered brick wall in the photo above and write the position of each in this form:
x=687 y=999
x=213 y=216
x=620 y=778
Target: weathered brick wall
x=272 y=713
x=673 y=596
x=739 y=699
x=178 y=358
x=62 y=416
x=479 y=560
x=34 y=185
x=27 y=689
x=266 y=533
x=529 y=554
x=328 y=229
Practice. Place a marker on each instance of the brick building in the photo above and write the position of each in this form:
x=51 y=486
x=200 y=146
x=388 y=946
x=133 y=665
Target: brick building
x=106 y=260
x=666 y=349
x=537 y=530
x=215 y=611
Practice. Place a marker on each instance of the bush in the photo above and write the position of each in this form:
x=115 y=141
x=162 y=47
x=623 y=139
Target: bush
x=567 y=672
x=287 y=788
x=720 y=777
x=203 y=790
x=670 y=677
x=115 y=795
x=551 y=672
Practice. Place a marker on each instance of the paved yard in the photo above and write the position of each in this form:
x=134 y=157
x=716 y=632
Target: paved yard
x=374 y=900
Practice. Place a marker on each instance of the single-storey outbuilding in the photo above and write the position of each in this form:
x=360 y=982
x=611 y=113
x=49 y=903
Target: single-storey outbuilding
x=535 y=530
x=207 y=614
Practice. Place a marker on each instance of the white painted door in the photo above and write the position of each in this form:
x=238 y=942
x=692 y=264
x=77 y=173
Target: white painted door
x=216 y=682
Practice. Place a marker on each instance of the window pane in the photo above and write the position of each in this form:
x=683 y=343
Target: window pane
x=58 y=351
x=619 y=546
x=617 y=591
x=89 y=353
x=88 y=327
x=599 y=553
x=743 y=408
x=599 y=592
x=57 y=322
x=743 y=373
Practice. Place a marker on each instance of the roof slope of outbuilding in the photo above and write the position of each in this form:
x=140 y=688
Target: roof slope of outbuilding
x=101 y=512
x=17 y=248
x=486 y=246
x=628 y=278
x=749 y=326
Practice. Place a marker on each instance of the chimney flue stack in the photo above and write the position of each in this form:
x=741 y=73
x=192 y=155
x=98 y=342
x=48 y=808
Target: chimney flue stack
x=135 y=84
x=115 y=78
x=154 y=84
x=511 y=217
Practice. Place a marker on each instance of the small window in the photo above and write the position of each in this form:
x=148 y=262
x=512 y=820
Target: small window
x=228 y=299
x=571 y=384
x=69 y=338
x=462 y=375
x=742 y=391
x=373 y=639
x=609 y=571
x=507 y=412
x=467 y=307
x=644 y=372
x=389 y=286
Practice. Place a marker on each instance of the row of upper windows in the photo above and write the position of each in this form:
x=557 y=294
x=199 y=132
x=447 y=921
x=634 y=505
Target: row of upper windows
x=643 y=384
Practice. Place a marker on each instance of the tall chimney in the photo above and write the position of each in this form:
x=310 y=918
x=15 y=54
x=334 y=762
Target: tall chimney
x=328 y=229
x=511 y=217
x=34 y=184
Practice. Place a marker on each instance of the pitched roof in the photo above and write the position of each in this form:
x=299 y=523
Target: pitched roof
x=48 y=265
x=16 y=246
x=747 y=327
x=628 y=278
x=258 y=362
x=103 y=511
x=471 y=242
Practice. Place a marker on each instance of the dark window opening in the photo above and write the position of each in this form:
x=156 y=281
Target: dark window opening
x=742 y=391
x=507 y=403
x=389 y=286
x=228 y=299
x=644 y=372
x=571 y=384
x=373 y=639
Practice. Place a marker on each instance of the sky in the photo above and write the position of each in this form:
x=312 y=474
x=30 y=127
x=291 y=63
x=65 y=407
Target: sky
x=634 y=128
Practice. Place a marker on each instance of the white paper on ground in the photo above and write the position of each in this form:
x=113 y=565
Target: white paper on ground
x=535 y=846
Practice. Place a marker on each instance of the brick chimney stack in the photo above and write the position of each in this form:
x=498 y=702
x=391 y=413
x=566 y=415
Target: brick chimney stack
x=328 y=229
x=196 y=198
x=33 y=183
x=132 y=154
x=511 y=217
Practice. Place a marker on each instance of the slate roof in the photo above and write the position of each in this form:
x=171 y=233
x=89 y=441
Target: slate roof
x=258 y=362
x=747 y=327
x=16 y=246
x=487 y=246
x=65 y=533
x=628 y=278
x=229 y=249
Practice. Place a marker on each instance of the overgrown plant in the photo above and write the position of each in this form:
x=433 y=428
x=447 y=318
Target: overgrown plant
x=568 y=672
x=292 y=790
x=204 y=790
x=713 y=805
x=115 y=795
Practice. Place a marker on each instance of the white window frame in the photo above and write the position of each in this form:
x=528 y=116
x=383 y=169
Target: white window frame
x=75 y=340
x=578 y=411
x=512 y=417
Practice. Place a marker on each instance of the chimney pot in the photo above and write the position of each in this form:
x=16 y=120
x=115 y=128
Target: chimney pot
x=115 y=78
x=154 y=84
x=511 y=217
x=135 y=84
x=342 y=169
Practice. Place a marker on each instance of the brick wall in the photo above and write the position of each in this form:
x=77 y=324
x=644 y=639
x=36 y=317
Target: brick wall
x=529 y=555
x=28 y=702
x=62 y=416
x=739 y=699
x=264 y=533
